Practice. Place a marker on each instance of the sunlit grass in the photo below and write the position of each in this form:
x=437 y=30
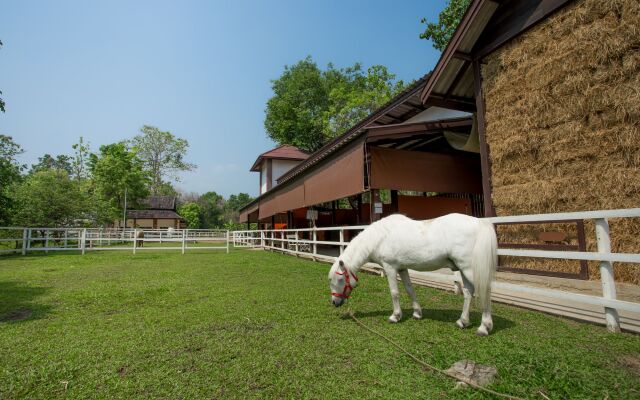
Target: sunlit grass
x=253 y=324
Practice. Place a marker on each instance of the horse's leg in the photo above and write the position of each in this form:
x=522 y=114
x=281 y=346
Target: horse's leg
x=487 y=322
x=392 y=276
x=417 y=310
x=467 y=291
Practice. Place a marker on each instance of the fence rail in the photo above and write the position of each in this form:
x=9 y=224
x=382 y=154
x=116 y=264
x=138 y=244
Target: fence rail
x=27 y=240
x=327 y=243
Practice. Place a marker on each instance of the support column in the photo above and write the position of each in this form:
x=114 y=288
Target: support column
x=606 y=274
x=394 y=201
x=359 y=210
x=375 y=200
x=485 y=165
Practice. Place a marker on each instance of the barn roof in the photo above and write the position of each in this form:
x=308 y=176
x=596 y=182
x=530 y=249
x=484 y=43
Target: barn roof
x=159 y=203
x=153 y=214
x=284 y=152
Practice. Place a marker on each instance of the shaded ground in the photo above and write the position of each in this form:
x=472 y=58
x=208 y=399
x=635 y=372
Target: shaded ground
x=253 y=324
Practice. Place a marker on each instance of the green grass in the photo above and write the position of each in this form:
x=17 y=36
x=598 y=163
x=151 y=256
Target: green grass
x=253 y=324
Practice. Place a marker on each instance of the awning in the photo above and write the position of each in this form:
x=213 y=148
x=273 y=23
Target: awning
x=425 y=172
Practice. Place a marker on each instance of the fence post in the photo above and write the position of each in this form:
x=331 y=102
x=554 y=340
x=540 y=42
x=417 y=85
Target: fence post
x=341 y=240
x=606 y=274
x=297 y=244
x=315 y=245
x=66 y=238
x=135 y=241
x=262 y=239
x=184 y=231
x=227 y=242
x=46 y=241
x=28 y=239
x=84 y=237
x=24 y=241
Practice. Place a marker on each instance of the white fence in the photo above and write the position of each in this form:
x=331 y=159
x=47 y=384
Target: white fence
x=326 y=244
x=25 y=240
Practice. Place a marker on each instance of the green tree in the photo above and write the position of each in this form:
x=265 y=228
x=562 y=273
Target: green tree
x=233 y=205
x=311 y=106
x=191 y=214
x=162 y=154
x=440 y=33
x=46 y=162
x=48 y=198
x=212 y=208
x=115 y=169
x=9 y=174
x=80 y=160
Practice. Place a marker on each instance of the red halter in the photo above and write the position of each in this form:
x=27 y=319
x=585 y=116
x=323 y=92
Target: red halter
x=347 y=287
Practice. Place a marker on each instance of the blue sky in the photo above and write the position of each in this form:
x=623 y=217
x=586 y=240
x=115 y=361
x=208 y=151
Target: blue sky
x=200 y=69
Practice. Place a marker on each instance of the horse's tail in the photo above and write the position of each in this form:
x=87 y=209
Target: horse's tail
x=484 y=262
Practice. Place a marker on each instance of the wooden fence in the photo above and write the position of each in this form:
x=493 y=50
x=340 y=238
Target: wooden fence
x=325 y=244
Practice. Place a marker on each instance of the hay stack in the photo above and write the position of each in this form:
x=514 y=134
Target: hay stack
x=563 y=119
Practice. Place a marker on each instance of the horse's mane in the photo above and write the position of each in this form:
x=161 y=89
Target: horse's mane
x=357 y=252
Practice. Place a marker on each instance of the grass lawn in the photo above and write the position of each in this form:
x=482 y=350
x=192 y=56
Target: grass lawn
x=253 y=324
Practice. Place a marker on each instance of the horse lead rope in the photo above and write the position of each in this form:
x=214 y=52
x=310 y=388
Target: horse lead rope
x=432 y=368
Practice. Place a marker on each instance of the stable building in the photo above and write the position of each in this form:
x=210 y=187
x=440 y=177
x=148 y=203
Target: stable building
x=157 y=212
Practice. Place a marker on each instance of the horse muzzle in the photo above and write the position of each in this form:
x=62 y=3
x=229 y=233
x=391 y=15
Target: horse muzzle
x=337 y=301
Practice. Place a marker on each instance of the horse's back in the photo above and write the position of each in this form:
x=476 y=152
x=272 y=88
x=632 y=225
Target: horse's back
x=428 y=243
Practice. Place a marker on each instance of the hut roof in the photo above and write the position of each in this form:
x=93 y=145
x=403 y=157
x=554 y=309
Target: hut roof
x=159 y=203
x=284 y=152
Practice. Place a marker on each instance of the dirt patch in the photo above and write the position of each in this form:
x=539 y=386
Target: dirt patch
x=16 y=315
x=122 y=371
x=631 y=362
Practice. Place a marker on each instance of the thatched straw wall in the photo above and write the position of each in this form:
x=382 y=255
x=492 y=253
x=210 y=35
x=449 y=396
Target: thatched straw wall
x=563 y=119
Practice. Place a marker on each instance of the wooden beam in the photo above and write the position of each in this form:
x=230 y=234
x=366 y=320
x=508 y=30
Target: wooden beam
x=457 y=79
x=485 y=162
x=462 y=56
x=450 y=104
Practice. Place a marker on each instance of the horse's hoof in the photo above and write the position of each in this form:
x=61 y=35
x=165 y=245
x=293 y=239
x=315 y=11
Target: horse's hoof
x=461 y=324
x=482 y=331
x=393 y=319
x=417 y=315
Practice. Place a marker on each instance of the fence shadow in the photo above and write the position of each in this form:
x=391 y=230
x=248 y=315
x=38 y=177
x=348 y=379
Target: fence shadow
x=17 y=302
x=443 y=315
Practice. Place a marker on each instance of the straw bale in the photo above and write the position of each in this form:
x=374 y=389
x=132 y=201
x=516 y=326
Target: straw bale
x=563 y=121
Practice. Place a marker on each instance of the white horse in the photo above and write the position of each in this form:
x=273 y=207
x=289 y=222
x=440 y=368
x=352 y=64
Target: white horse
x=398 y=243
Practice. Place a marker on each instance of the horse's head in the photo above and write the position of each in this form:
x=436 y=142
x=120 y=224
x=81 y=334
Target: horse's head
x=341 y=282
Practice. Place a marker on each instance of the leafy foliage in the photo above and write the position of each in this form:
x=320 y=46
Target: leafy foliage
x=162 y=155
x=311 y=106
x=115 y=169
x=440 y=33
x=48 y=197
x=9 y=174
x=46 y=162
x=191 y=214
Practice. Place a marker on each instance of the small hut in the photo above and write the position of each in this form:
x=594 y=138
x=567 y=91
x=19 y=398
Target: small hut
x=157 y=212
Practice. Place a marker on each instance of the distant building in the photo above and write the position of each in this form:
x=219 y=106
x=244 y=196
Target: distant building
x=159 y=212
x=275 y=163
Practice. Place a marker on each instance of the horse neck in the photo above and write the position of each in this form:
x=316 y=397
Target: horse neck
x=360 y=248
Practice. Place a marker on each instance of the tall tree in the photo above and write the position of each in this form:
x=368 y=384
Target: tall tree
x=46 y=162
x=80 y=161
x=311 y=106
x=116 y=169
x=162 y=154
x=212 y=208
x=9 y=174
x=48 y=198
x=233 y=205
x=440 y=32
x=2 y=104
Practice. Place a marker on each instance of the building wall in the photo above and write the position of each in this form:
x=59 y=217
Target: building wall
x=263 y=177
x=562 y=112
x=280 y=167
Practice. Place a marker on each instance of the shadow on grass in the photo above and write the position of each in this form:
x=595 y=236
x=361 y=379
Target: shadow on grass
x=428 y=314
x=17 y=303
